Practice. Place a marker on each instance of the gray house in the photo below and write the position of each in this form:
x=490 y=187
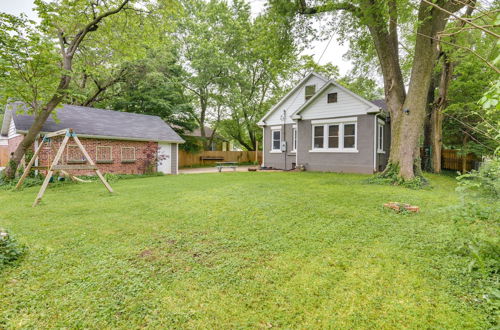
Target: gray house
x=325 y=127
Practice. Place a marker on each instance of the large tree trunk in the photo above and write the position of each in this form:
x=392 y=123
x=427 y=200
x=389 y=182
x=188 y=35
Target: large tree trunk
x=407 y=110
x=437 y=115
x=408 y=123
x=441 y=102
x=427 y=154
x=464 y=153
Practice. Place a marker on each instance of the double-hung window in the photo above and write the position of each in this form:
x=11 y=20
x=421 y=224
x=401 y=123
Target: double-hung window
x=309 y=91
x=318 y=137
x=276 y=139
x=334 y=135
x=349 y=136
x=380 y=137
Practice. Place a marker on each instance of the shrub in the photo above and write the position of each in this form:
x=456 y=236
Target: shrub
x=477 y=229
x=391 y=177
x=10 y=249
x=482 y=184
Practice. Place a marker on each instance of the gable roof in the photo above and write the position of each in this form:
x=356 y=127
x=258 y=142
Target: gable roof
x=296 y=114
x=97 y=123
x=293 y=90
x=380 y=103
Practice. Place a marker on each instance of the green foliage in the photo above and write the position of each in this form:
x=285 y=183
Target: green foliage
x=490 y=103
x=237 y=65
x=29 y=63
x=484 y=183
x=363 y=86
x=390 y=176
x=233 y=251
x=10 y=249
x=471 y=120
x=110 y=177
x=152 y=87
x=110 y=57
x=477 y=224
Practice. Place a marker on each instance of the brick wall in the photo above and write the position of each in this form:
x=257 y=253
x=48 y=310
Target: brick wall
x=117 y=165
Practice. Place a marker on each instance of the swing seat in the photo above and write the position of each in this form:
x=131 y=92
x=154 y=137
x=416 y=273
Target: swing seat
x=73 y=167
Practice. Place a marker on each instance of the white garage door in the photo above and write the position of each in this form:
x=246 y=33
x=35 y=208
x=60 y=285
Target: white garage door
x=165 y=158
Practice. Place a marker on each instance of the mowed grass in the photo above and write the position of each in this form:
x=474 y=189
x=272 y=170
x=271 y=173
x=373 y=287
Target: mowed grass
x=235 y=250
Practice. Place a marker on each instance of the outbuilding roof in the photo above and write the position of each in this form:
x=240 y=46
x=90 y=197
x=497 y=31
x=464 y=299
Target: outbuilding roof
x=93 y=122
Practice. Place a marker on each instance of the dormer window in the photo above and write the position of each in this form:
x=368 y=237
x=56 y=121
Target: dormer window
x=310 y=90
x=332 y=98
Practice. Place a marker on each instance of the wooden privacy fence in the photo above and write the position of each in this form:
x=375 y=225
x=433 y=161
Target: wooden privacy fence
x=4 y=156
x=210 y=157
x=453 y=160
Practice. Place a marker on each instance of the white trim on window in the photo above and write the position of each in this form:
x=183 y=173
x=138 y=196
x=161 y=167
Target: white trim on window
x=380 y=137
x=334 y=120
x=275 y=129
x=341 y=136
x=294 y=139
x=345 y=151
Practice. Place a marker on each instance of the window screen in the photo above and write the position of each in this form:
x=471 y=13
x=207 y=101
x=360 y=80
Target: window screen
x=349 y=135
x=276 y=140
x=318 y=136
x=333 y=136
x=310 y=90
x=332 y=97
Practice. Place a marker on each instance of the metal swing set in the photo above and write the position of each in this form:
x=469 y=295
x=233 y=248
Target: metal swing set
x=63 y=168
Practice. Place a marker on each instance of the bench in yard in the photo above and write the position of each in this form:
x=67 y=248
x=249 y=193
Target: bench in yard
x=221 y=165
x=203 y=158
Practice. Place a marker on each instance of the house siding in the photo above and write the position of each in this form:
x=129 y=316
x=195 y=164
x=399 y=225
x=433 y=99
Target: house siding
x=174 y=158
x=12 y=130
x=283 y=160
x=382 y=158
x=346 y=105
x=360 y=162
x=293 y=102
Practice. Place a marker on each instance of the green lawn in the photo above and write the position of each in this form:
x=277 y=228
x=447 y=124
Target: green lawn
x=235 y=250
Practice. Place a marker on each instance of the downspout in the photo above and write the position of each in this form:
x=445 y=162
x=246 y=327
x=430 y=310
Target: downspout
x=284 y=136
x=374 y=143
x=297 y=145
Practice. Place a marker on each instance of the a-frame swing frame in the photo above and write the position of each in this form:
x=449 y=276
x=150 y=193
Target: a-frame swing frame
x=68 y=133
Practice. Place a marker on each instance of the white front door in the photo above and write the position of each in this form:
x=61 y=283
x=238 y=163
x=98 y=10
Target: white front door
x=165 y=158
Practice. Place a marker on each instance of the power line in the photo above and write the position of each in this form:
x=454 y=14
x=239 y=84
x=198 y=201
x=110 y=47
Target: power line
x=324 y=50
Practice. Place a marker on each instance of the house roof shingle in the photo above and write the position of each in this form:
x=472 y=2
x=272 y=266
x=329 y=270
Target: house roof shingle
x=380 y=103
x=100 y=123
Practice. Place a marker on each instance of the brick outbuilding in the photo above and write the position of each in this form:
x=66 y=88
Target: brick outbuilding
x=119 y=142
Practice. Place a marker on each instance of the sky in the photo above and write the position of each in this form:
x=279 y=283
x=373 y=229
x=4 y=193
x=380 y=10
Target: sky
x=333 y=53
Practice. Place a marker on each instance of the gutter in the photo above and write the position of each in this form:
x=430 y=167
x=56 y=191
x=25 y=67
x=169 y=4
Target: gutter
x=112 y=137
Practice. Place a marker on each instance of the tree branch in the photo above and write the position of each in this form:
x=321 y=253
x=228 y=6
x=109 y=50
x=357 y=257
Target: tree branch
x=465 y=48
x=347 y=6
x=92 y=26
x=463 y=19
